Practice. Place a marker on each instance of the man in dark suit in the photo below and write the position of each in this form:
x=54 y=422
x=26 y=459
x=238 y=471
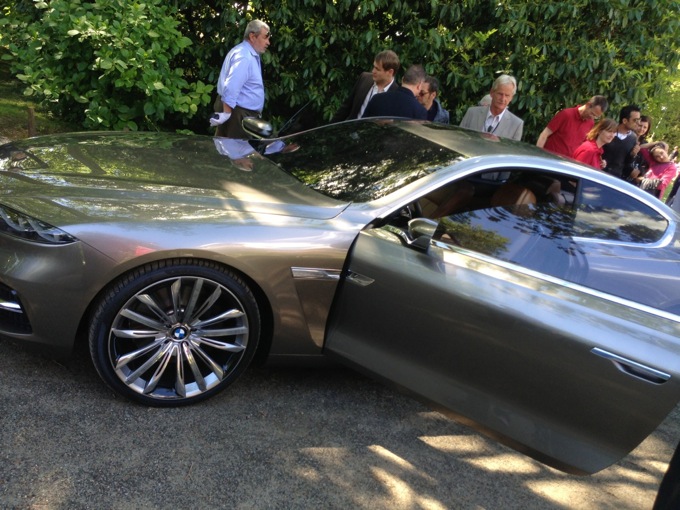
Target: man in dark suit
x=496 y=118
x=401 y=101
x=385 y=67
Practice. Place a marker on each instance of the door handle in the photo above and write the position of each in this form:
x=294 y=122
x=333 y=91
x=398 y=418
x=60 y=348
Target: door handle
x=633 y=368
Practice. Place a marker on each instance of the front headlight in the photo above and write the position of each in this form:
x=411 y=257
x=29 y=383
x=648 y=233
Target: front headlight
x=28 y=228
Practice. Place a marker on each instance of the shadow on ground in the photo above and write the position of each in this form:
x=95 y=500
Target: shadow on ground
x=278 y=438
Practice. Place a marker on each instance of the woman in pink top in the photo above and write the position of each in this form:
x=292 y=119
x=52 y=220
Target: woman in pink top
x=590 y=151
x=661 y=171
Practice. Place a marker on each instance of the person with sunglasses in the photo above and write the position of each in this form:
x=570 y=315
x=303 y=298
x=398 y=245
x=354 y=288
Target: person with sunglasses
x=569 y=127
x=428 y=98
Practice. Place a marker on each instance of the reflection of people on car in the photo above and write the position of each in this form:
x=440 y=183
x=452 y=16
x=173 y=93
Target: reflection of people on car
x=236 y=150
x=239 y=151
x=279 y=146
x=233 y=148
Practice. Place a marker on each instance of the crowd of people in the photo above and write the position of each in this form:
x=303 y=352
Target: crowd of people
x=618 y=148
x=621 y=149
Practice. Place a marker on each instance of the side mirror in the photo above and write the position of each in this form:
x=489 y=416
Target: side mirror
x=257 y=127
x=421 y=231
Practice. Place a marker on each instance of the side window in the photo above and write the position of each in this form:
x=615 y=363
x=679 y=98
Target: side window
x=526 y=219
x=607 y=214
x=555 y=225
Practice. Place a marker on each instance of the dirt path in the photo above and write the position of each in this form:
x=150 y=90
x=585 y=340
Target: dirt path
x=289 y=439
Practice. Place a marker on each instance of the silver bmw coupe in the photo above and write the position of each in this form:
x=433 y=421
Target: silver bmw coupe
x=534 y=297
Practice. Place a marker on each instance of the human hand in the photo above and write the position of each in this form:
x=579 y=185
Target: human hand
x=603 y=163
x=219 y=118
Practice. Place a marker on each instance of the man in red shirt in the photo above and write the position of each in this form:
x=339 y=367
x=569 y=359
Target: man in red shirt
x=568 y=129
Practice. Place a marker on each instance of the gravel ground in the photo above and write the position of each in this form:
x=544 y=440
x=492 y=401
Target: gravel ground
x=277 y=439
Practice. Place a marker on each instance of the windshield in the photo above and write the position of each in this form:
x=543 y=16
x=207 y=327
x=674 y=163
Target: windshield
x=360 y=161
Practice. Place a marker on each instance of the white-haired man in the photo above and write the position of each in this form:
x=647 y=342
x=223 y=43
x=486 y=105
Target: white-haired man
x=240 y=86
x=496 y=118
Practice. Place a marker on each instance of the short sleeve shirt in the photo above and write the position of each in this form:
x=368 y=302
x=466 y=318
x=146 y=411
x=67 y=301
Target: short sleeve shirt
x=569 y=131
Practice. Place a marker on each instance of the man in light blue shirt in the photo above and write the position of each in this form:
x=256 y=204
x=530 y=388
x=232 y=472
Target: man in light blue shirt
x=240 y=86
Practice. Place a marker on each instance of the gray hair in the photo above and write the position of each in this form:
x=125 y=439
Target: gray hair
x=414 y=75
x=504 y=79
x=254 y=27
x=602 y=102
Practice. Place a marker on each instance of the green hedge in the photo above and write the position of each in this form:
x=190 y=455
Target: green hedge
x=117 y=63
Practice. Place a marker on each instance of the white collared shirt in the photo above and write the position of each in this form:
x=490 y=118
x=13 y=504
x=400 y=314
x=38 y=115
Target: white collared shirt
x=491 y=122
x=372 y=92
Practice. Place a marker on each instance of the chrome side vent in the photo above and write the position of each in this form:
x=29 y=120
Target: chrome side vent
x=13 y=318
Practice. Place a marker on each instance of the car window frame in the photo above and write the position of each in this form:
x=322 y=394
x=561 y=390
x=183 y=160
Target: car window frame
x=563 y=168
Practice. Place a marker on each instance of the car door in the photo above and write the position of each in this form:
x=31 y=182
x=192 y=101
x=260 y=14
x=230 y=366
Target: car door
x=491 y=320
x=630 y=246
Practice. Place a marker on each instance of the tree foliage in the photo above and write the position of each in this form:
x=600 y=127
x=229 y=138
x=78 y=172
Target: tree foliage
x=109 y=64
x=561 y=52
x=664 y=110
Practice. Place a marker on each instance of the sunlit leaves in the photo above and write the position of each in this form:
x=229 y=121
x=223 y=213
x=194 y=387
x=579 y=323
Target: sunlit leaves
x=109 y=64
x=115 y=51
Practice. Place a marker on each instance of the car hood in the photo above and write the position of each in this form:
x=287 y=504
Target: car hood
x=91 y=177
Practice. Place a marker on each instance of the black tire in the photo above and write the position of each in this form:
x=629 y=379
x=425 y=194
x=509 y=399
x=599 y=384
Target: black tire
x=174 y=333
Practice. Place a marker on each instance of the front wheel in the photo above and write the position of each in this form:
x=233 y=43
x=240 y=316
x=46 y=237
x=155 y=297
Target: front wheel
x=174 y=333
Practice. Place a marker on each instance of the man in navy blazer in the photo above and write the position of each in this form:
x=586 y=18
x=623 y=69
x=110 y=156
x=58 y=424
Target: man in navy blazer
x=385 y=67
x=496 y=118
x=401 y=101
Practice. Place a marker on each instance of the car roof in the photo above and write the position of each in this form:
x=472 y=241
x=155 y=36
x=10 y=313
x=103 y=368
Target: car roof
x=466 y=142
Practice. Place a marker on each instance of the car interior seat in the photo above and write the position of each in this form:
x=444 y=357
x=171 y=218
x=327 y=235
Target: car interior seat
x=546 y=188
x=513 y=194
x=456 y=200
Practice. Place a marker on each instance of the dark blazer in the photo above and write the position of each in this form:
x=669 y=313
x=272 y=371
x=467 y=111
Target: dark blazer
x=349 y=109
x=396 y=102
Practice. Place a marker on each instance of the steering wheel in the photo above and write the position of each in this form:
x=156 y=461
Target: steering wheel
x=412 y=210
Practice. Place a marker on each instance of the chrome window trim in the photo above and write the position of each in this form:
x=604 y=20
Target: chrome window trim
x=665 y=240
x=557 y=281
